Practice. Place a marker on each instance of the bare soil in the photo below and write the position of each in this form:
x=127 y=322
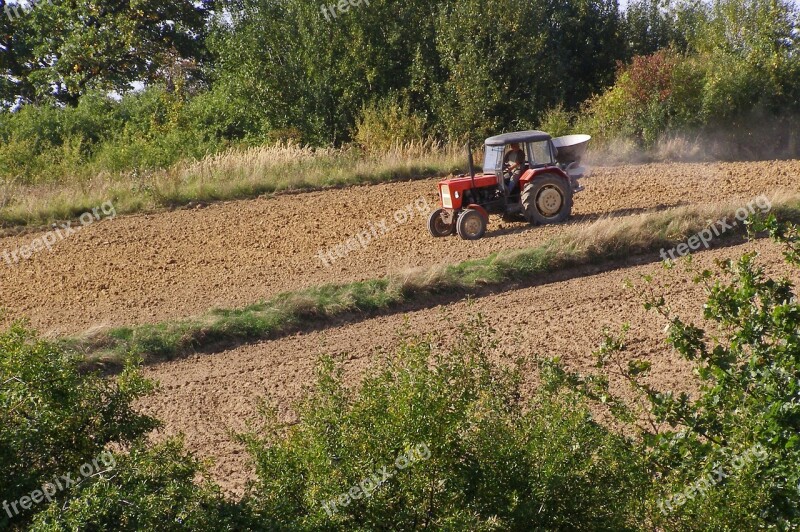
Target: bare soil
x=209 y=397
x=148 y=268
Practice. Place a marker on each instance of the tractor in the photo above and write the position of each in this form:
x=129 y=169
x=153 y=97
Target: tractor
x=527 y=175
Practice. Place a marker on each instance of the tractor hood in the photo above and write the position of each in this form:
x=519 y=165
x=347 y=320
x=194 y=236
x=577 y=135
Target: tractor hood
x=464 y=181
x=451 y=191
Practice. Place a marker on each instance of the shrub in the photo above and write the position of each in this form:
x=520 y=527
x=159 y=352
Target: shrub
x=148 y=130
x=53 y=417
x=557 y=121
x=742 y=432
x=491 y=461
x=638 y=105
x=387 y=124
x=667 y=93
x=150 y=489
x=734 y=86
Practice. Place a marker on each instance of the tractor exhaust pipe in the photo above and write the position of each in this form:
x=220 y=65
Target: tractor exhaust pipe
x=471 y=163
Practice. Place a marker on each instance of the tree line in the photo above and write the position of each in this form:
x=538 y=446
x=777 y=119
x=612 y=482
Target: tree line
x=255 y=71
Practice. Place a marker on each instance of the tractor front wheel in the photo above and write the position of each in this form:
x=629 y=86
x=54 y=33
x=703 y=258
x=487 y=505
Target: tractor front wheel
x=471 y=225
x=438 y=227
x=547 y=200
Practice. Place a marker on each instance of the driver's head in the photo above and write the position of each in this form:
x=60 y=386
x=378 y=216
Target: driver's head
x=514 y=146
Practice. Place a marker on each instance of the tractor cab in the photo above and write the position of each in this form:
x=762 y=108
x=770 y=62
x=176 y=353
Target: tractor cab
x=535 y=150
x=526 y=174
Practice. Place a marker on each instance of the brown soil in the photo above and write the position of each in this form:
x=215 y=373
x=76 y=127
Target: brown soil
x=207 y=397
x=148 y=268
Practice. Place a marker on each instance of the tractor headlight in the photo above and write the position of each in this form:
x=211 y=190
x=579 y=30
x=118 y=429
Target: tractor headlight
x=447 y=202
x=457 y=195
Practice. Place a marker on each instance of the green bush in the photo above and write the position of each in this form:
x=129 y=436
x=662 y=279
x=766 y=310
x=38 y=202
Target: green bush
x=732 y=87
x=150 y=489
x=55 y=418
x=485 y=459
x=639 y=105
x=736 y=63
x=557 y=121
x=730 y=457
x=143 y=131
x=387 y=124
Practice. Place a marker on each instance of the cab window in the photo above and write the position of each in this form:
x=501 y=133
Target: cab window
x=493 y=160
x=540 y=153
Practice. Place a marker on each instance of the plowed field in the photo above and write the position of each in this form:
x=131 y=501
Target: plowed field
x=207 y=396
x=143 y=269
x=146 y=268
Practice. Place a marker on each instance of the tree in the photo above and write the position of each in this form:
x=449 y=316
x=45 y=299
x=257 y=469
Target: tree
x=649 y=26
x=508 y=61
x=62 y=49
x=470 y=67
x=319 y=79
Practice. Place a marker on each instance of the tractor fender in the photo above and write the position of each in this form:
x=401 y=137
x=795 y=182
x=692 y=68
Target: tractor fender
x=481 y=210
x=532 y=174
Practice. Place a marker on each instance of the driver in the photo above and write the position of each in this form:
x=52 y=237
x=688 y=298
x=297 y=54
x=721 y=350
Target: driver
x=514 y=160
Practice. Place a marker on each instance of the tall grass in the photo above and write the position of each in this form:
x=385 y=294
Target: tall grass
x=230 y=175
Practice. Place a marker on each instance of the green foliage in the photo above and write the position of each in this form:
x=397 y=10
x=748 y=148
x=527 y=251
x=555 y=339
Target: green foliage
x=62 y=50
x=507 y=61
x=144 y=131
x=388 y=124
x=557 y=121
x=149 y=489
x=652 y=25
x=319 y=80
x=742 y=430
x=486 y=459
x=738 y=59
x=466 y=76
x=55 y=418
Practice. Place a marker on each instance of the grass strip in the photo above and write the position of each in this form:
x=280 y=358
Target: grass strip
x=605 y=240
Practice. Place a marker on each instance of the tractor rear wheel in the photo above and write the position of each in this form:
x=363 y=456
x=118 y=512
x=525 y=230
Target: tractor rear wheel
x=471 y=225
x=437 y=225
x=547 y=200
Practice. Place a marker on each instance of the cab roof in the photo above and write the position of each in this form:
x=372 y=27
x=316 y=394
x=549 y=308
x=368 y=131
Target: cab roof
x=517 y=137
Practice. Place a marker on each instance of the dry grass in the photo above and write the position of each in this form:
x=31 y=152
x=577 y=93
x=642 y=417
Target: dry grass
x=234 y=174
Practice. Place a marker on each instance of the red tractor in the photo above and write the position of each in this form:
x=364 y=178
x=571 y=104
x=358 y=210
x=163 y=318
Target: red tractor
x=526 y=175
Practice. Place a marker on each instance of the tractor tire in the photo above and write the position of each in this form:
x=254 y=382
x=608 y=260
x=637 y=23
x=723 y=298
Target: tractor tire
x=437 y=227
x=547 y=200
x=471 y=225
